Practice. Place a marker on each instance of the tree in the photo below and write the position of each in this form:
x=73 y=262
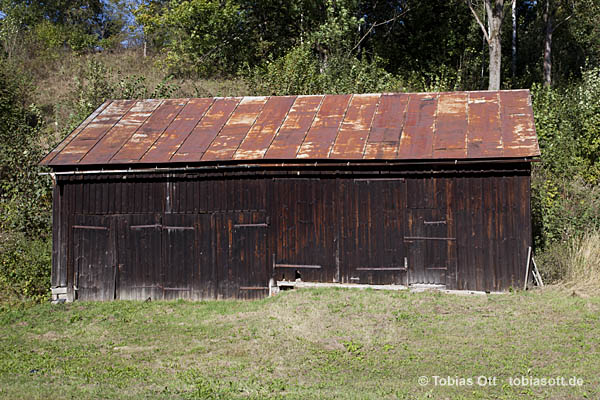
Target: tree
x=514 y=39
x=494 y=10
x=550 y=13
x=211 y=37
x=80 y=24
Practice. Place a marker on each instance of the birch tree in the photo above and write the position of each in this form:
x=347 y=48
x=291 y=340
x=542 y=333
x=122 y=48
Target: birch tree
x=494 y=10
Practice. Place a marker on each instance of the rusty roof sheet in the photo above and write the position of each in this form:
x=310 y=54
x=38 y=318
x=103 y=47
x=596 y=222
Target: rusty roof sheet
x=388 y=126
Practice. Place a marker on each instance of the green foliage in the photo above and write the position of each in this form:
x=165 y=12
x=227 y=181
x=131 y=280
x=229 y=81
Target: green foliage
x=49 y=36
x=562 y=208
x=338 y=33
x=568 y=126
x=81 y=42
x=203 y=36
x=97 y=83
x=43 y=28
x=299 y=72
x=25 y=268
x=443 y=79
x=565 y=187
x=92 y=88
x=24 y=197
x=325 y=63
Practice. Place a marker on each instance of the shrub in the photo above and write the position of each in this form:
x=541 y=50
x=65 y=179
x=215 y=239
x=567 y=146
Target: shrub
x=301 y=72
x=25 y=268
x=568 y=127
x=565 y=192
x=24 y=197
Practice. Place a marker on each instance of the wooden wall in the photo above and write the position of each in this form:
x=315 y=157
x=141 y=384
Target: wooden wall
x=222 y=235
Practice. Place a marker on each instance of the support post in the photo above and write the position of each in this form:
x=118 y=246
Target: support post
x=527 y=267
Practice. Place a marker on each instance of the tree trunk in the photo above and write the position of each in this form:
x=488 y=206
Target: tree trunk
x=548 y=22
x=495 y=47
x=514 y=39
x=494 y=9
x=495 y=12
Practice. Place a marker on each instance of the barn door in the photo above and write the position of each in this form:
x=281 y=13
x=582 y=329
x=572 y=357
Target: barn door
x=94 y=256
x=241 y=254
x=179 y=256
x=140 y=260
x=372 y=231
x=429 y=235
x=306 y=244
x=426 y=242
x=166 y=257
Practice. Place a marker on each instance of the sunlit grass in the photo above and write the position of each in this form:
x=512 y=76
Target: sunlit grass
x=320 y=343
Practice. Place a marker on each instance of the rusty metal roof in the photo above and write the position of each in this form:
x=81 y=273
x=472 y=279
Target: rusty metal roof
x=390 y=126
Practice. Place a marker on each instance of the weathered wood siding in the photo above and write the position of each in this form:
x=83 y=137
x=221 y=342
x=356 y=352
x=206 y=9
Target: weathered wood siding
x=224 y=235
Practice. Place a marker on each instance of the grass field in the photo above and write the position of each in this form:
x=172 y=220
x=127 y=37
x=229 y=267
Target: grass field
x=318 y=343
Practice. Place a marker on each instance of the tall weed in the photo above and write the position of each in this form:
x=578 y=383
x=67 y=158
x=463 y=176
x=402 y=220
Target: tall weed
x=582 y=263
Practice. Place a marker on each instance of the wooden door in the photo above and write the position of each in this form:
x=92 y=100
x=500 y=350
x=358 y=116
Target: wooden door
x=140 y=257
x=94 y=258
x=241 y=249
x=179 y=257
x=429 y=231
x=305 y=244
x=427 y=247
x=372 y=230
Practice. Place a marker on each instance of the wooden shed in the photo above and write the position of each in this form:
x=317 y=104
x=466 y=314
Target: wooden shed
x=209 y=198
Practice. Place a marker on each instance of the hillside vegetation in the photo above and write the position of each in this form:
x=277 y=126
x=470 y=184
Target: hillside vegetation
x=60 y=60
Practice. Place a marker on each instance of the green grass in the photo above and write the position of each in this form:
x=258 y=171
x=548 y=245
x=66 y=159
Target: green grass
x=328 y=343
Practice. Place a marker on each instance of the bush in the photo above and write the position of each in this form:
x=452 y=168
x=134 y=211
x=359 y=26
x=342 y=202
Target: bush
x=565 y=191
x=24 y=197
x=301 y=72
x=25 y=268
x=562 y=209
x=568 y=127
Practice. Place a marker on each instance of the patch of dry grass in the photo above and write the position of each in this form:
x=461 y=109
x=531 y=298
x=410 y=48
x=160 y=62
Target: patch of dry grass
x=582 y=264
x=56 y=91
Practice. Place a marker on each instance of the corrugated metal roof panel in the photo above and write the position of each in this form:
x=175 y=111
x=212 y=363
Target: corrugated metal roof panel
x=450 y=139
x=235 y=129
x=195 y=145
x=120 y=133
x=386 y=129
x=152 y=129
x=321 y=135
x=92 y=133
x=354 y=131
x=260 y=136
x=163 y=149
x=417 y=136
x=390 y=126
x=290 y=136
